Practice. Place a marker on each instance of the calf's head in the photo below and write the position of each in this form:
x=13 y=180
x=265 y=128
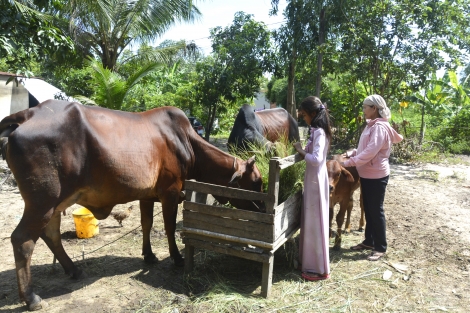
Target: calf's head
x=247 y=176
x=335 y=171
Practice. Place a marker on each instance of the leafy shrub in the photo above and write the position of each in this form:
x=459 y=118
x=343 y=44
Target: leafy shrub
x=455 y=134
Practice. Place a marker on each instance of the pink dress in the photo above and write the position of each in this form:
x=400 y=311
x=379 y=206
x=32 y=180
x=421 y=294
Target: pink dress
x=314 y=227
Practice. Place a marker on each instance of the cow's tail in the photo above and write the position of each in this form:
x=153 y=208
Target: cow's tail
x=8 y=125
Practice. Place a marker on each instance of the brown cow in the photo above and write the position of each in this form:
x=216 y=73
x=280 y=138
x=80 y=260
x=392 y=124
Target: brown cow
x=63 y=153
x=262 y=127
x=343 y=183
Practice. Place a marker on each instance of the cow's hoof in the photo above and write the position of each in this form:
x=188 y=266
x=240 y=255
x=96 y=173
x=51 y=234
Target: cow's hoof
x=37 y=304
x=336 y=248
x=179 y=262
x=79 y=274
x=150 y=258
x=360 y=230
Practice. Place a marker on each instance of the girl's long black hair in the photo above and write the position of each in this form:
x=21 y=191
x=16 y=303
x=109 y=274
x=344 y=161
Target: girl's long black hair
x=312 y=105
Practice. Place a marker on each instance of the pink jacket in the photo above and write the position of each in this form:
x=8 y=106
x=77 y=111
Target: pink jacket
x=371 y=156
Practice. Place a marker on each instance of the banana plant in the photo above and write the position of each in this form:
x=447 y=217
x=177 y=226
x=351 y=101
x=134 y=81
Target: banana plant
x=433 y=99
x=461 y=93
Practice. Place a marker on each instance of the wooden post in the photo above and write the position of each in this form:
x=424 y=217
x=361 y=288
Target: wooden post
x=188 y=258
x=267 y=279
x=273 y=185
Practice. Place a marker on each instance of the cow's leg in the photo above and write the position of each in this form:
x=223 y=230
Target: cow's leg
x=51 y=236
x=170 y=211
x=24 y=239
x=347 y=226
x=339 y=224
x=146 y=220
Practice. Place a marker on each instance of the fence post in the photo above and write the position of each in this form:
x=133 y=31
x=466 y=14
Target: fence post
x=273 y=185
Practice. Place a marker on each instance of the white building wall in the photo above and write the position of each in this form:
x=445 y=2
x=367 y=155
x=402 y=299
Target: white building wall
x=12 y=98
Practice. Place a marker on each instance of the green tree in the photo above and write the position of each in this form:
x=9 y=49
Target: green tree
x=296 y=39
x=242 y=52
x=28 y=35
x=378 y=44
x=106 y=31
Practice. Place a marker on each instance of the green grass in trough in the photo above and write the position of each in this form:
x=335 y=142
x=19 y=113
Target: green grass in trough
x=291 y=178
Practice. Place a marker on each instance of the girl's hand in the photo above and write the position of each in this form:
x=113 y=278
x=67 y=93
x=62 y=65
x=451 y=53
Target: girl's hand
x=297 y=146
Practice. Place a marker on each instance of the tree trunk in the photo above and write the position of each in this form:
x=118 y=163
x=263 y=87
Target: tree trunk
x=290 y=106
x=421 y=132
x=321 y=41
x=211 y=119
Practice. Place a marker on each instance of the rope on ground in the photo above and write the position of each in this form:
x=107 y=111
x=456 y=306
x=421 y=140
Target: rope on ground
x=107 y=244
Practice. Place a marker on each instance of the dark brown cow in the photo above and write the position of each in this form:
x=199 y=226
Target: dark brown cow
x=63 y=153
x=343 y=183
x=262 y=127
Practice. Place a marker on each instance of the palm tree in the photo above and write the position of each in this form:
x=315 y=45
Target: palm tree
x=110 y=88
x=107 y=29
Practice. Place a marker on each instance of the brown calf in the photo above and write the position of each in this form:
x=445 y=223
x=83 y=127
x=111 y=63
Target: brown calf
x=343 y=183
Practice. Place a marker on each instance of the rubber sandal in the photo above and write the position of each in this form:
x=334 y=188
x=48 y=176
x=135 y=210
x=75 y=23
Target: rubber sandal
x=375 y=256
x=307 y=276
x=360 y=247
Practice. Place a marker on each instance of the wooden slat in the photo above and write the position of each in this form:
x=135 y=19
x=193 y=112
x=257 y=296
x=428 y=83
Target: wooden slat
x=235 y=245
x=261 y=230
x=285 y=236
x=223 y=191
x=227 y=212
x=290 y=215
x=268 y=238
x=257 y=243
x=259 y=257
x=289 y=161
x=293 y=200
x=189 y=235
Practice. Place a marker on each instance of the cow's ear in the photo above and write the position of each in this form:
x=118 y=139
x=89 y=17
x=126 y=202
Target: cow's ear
x=8 y=130
x=251 y=162
x=347 y=174
x=235 y=177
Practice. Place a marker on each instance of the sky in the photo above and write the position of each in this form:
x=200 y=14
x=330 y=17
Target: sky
x=221 y=13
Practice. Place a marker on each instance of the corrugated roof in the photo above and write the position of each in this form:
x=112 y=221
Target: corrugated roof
x=40 y=89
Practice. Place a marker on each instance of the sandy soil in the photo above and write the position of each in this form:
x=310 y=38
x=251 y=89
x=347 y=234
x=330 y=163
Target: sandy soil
x=428 y=220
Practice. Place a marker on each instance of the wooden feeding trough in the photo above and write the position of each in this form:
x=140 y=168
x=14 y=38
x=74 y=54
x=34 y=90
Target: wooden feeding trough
x=250 y=235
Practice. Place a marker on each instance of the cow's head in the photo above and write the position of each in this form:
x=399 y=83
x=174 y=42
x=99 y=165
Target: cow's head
x=247 y=176
x=335 y=170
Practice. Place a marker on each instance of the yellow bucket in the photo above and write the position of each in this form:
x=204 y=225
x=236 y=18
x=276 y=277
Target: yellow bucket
x=86 y=225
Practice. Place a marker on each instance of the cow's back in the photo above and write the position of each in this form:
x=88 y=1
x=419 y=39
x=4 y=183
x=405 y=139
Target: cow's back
x=278 y=123
x=97 y=156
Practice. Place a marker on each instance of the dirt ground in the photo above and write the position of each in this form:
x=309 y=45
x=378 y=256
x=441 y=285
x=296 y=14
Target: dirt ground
x=428 y=227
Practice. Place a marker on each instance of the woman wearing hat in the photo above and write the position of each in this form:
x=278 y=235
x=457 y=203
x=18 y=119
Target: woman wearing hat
x=371 y=161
